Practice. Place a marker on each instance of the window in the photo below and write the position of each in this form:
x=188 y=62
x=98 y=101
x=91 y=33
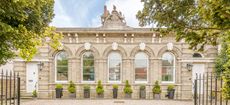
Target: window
x=114 y=60
x=61 y=66
x=168 y=67
x=197 y=55
x=141 y=67
x=88 y=66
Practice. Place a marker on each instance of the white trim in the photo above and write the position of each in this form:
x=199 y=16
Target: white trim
x=174 y=69
x=82 y=80
x=55 y=69
x=197 y=60
x=147 y=76
x=108 y=61
x=34 y=59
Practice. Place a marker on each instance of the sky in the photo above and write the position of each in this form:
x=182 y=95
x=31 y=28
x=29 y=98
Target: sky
x=87 y=13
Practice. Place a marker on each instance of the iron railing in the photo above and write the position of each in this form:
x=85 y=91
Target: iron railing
x=9 y=88
x=208 y=89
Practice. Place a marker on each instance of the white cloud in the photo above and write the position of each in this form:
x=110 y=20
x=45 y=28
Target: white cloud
x=61 y=18
x=129 y=8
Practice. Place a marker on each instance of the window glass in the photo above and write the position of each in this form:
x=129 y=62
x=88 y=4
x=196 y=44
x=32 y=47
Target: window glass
x=88 y=66
x=115 y=61
x=168 y=67
x=62 y=66
x=141 y=66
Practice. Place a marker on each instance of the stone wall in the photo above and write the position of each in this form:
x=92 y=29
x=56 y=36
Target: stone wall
x=128 y=46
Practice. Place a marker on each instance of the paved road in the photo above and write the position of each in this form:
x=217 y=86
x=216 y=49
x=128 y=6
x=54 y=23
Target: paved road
x=106 y=102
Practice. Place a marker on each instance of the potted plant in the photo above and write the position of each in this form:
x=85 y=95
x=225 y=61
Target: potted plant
x=34 y=94
x=99 y=90
x=115 y=90
x=142 y=92
x=86 y=91
x=128 y=90
x=156 y=90
x=72 y=90
x=170 y=91
x=59 y=90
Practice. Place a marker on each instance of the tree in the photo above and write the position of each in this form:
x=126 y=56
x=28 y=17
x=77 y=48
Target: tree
x=24 y=25
x=199 y=22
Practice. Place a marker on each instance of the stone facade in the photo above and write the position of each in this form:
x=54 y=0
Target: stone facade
x=129 y=41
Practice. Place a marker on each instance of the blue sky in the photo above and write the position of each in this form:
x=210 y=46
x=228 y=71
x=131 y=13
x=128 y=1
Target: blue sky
x=86 y=13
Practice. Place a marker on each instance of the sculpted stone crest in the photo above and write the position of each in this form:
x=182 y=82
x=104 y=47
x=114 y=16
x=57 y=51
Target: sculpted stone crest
x=114 y=19
x=114 y=45
x=87 y=46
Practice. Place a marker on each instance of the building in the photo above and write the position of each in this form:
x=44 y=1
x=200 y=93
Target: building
x=114 y=53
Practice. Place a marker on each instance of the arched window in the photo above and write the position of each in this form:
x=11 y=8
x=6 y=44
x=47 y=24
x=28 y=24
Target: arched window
x=115 y=62
x=168 y=67
x=88 y=66
x=61 y=63
x=197 y=55
x=141 y=67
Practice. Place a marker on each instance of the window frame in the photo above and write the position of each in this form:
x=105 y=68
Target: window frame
x=82 y=68
x=62 y=81
x=108 y=66
x=174 y=69
x=134 y=66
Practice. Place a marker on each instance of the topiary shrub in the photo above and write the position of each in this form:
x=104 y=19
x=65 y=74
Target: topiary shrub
x=157 y=88
x=59 y=86
x=99 y=88
x=34 y=93
x=128 y=89
x=170 y=88
x=115 y=86
x=71 y=87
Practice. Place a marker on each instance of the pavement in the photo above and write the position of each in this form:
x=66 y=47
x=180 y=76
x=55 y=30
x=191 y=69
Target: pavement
x=105 y=102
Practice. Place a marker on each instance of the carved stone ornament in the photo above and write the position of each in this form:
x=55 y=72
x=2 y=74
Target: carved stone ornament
x=142 y=46
x=170 y=46
x=87 y=46
x=114 y=19
x=61 y=46
x=114 y=45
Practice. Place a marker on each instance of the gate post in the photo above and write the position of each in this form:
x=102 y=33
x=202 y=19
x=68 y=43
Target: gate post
x=18 y=87
x=195 y=92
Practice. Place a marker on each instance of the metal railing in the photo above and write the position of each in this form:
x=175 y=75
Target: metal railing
x=9 y=88
x=208 y=89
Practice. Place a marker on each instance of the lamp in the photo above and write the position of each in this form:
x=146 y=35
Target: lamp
x=41 y=65
x=189 y=67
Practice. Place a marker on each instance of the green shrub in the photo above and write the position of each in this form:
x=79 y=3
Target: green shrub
x=127 y=89
x=157 y=88
x=59 y=86
x=115 y=86
x=71 y=87
x=34 y=93
x=99 y=88
x=170 y=87
x=142 y=87
x=86 y=87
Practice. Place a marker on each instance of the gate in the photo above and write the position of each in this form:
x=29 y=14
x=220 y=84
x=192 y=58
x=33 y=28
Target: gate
x=9 y=88
x=207 y=89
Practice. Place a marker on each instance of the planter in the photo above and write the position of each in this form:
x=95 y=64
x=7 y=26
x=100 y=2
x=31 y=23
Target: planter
x=142 y=94
x=171 y=94
x=157 y=96
x=59 y=93
x=72 y=95
x=100 y=95
x=86 y=93
x=115 y=91
x=128 y=96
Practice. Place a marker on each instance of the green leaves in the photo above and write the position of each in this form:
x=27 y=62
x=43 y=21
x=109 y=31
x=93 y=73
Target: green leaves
x=198 y=22
x=24 y=27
